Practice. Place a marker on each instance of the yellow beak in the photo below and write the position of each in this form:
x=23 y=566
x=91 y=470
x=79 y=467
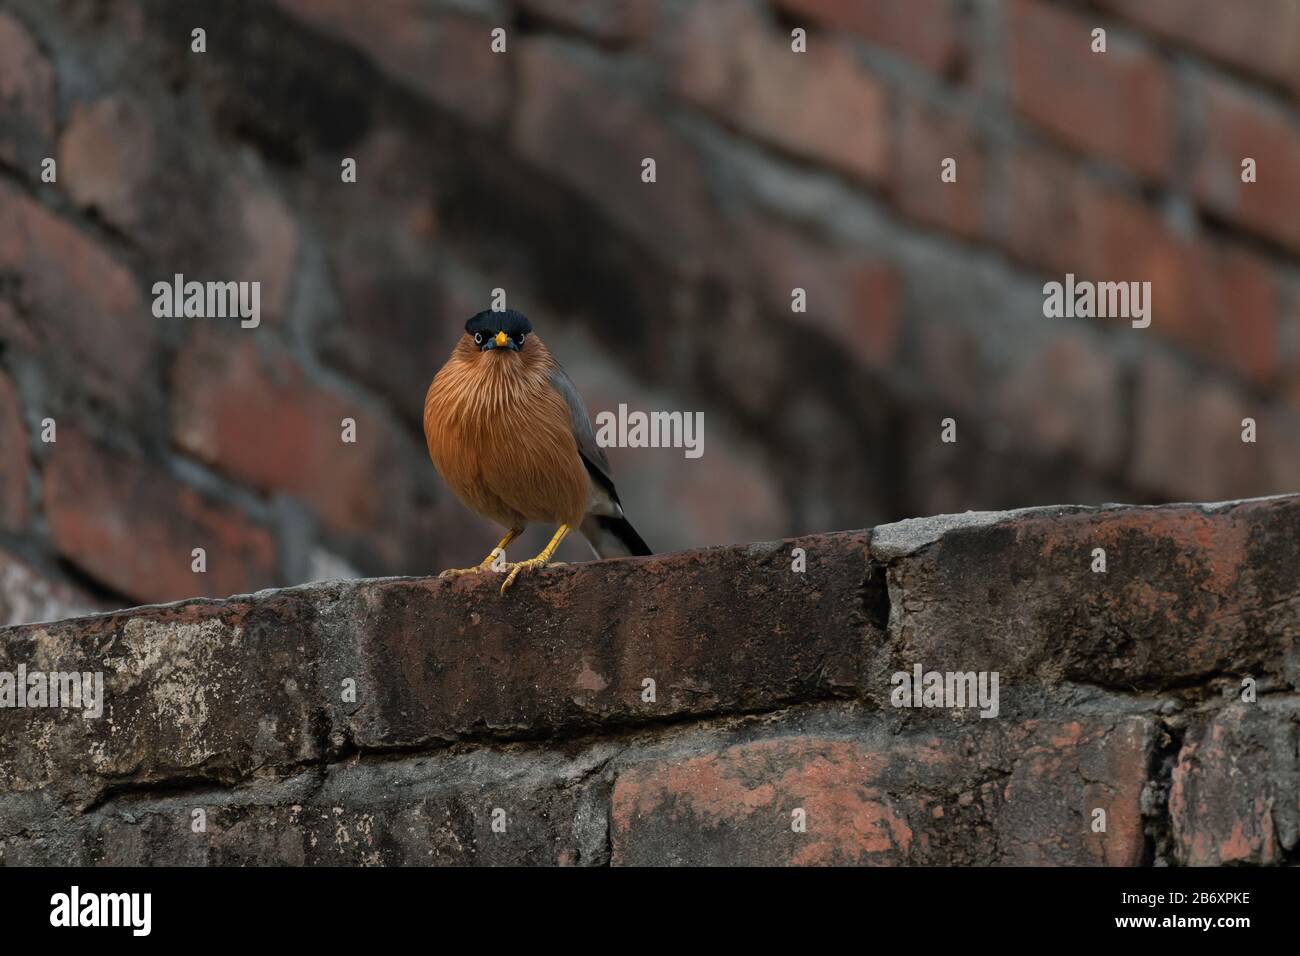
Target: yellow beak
x=501 y=340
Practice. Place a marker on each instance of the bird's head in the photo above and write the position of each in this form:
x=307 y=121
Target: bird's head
x=499 y=332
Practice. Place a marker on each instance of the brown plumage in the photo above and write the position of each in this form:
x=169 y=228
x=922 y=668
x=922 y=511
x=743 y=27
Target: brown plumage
x=508 y=433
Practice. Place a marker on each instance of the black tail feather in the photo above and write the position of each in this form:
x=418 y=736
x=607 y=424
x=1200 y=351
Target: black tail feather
x=622 y=529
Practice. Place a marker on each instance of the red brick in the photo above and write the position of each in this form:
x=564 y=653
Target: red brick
x=1261 y=38
x=616 y=21
x=1117 y=104
x=927 y=137
x=1215 y=299
x=132 y=526
x=1233 y=798
x=248 y=410
x=1188 y=591
x=453 y=658
x=81 y=306
x=737 y=806
x=923 y=30
x=27 y=99
x=14 y=459
x=853 y=297
x=992 y=793
x=444 y=56
x=822 y=105
x=1236 y=127
x=582 y=121
x=1064 y=772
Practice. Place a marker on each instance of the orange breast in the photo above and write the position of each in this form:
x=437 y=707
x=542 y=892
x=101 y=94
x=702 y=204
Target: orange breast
x=500 y=437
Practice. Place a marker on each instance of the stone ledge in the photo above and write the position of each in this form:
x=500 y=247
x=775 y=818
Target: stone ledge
x=1120 y=690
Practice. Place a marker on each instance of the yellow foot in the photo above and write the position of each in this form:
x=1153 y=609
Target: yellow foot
x=485 y=565
x=528 y=565
x=457 y=572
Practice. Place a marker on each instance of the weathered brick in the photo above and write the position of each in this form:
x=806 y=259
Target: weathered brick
x=440 y=811
x=1064 y=773
x=1238 y=126
x=445 y=659
x=822 y=105
x=1118 y=105
x=986 y=794
x=442 y=55
x=1188 y=591
x=1234 y=795
x=132 y=526
x=922 y=30
x=199 y=691
x=27 y=100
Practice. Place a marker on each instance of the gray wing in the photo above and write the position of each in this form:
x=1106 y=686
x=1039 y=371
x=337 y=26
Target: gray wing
x=593 y=456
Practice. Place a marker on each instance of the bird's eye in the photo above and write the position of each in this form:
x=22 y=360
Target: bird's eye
x=478 y=338
x=522 y=336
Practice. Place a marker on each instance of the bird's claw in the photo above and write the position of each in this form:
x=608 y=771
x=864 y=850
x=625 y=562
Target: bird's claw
x=457 y=572
x=528 y=565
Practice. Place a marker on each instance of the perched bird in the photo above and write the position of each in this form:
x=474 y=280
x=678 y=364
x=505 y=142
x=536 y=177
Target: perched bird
x=508 y=432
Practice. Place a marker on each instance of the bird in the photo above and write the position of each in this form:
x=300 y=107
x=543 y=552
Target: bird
x=509 y=434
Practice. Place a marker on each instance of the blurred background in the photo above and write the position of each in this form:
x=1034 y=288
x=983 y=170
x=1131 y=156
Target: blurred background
x=522 y=171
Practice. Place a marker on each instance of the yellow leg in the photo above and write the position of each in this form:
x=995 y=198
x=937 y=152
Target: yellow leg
x=537 y=562
x=486 y=563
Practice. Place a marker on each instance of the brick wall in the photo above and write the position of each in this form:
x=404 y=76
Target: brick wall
x=728 y=706
x=521 y=171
